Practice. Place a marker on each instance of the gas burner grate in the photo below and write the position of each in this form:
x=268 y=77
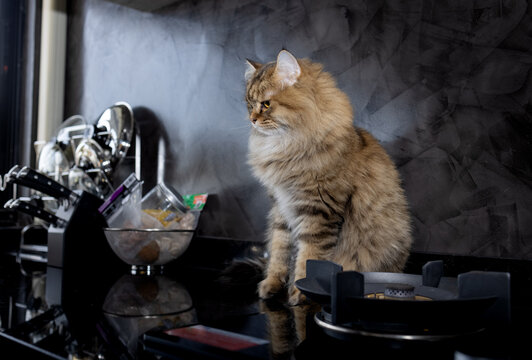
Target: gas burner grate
x=406 y=306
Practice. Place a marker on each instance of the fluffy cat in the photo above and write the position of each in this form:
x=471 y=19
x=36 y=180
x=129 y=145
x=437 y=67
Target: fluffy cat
x=336 y=194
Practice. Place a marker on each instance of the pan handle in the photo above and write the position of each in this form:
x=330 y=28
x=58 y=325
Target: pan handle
x=35 y=180
x=30 y=209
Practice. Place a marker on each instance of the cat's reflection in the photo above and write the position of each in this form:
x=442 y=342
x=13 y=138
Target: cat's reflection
x=286 y=326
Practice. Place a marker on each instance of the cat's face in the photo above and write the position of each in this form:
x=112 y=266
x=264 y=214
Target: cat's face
x=269 y=94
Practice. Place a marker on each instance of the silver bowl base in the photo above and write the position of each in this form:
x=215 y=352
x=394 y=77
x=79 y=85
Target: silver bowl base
x=146 y=270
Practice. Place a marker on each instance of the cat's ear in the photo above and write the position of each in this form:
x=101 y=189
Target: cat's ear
x=251 y=67
x=287 y=70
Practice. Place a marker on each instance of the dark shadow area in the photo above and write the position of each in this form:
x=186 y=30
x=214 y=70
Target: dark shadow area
x=156 y=158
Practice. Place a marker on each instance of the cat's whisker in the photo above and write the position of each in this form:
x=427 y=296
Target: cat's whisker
x=240 y=127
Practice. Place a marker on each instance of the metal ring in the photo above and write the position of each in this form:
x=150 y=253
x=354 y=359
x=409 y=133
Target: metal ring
x=341 y=330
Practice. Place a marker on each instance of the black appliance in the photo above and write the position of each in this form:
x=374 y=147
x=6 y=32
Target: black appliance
x=76 y=243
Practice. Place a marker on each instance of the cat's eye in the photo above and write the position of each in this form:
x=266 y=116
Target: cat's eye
x=265 y=104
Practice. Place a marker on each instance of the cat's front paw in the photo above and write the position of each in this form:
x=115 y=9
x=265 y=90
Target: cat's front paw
x=270 y=287
x=295 y=297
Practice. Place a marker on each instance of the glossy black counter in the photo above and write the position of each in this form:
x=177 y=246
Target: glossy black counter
x=108 y=314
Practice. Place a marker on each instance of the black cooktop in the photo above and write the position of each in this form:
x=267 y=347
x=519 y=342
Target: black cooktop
x=194 y=310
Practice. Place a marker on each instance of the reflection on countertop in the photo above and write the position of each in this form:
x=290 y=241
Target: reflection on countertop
x=110 y=314
x=103 y=314
x=136 y=304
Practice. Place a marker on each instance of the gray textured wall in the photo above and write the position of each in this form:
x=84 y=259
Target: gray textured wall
x=444 y=85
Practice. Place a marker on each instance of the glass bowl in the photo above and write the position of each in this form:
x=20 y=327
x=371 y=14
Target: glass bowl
x=147 y=250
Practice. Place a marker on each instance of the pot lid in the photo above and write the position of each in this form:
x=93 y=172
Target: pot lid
x=89 y=154
x=117 y=121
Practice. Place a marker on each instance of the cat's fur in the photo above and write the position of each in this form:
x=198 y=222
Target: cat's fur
x=336 y=194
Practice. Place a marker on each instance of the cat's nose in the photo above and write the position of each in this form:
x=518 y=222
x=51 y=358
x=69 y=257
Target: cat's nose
x=253 y=119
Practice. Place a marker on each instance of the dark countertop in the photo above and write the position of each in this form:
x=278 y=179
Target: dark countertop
x=180 y=297
x=102 y=307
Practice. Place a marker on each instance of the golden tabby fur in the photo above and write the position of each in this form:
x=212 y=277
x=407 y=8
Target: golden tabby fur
x=336 y=193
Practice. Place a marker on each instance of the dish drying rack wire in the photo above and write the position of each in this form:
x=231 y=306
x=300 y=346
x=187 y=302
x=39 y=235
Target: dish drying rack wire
x=4 y=180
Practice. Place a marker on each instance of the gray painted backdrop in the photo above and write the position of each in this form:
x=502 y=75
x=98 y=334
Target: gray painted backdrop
x=444 y=85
